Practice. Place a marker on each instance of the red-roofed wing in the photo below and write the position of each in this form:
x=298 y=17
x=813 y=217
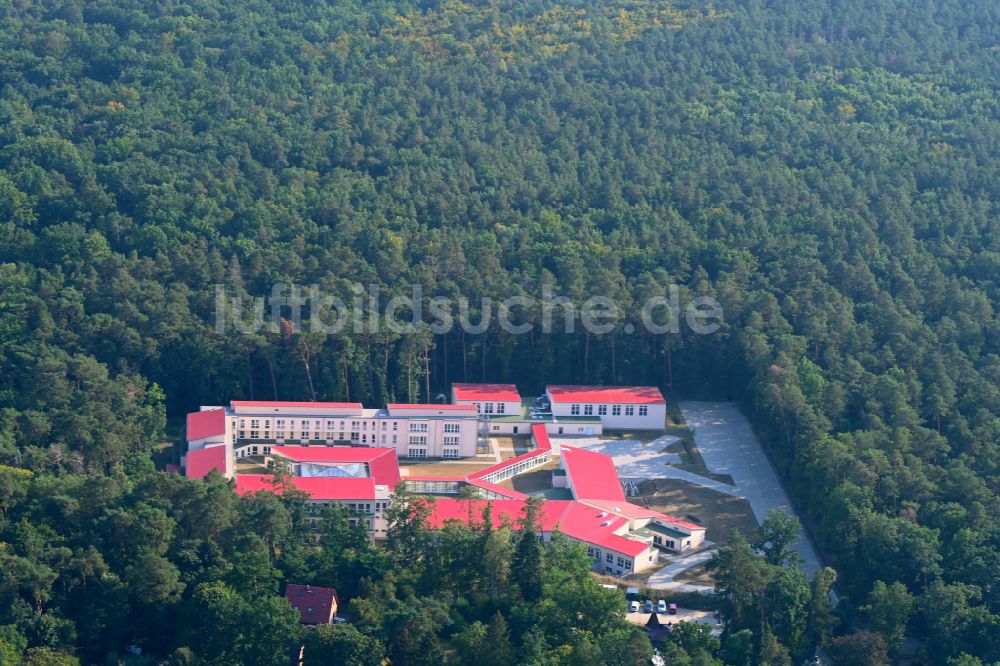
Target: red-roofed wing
x=207 y=423
x=635 y=395
x=496 y=392
x=203 y=461
x=592 y=475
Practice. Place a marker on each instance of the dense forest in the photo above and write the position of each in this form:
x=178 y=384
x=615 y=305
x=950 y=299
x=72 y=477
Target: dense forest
x=828 y=170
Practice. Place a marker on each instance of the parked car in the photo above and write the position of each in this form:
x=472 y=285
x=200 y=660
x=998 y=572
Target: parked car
x=633 y=606
x=648 y=606
x=661 y=606
x=673 y=609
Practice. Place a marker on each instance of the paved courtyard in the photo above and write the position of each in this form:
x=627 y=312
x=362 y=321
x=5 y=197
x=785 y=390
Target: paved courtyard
x=728 y=445
x=634 y=460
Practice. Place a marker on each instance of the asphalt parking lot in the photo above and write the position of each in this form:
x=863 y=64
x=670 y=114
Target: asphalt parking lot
x=728 y=445
x=683 y=615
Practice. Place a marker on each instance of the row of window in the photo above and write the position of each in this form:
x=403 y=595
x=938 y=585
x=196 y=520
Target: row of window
x=623 y=563
x=602 y=410
x=306 y=425
x=488 y=408
x=421 y=452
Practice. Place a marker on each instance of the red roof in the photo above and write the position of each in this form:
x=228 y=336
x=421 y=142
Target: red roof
x=498 y=392
x=588 y=524
x=207 y=423
x=592 y=475
x=316 y=605
x=319 y=488
x=509 y=510
x=541 y=436
x=382 y=463
x=203 y=461
x=278 y=403
x=574 y=519
x=636 y=395
x=633 y=511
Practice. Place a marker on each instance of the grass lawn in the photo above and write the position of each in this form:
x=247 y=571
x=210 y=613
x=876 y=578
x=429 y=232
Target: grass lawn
x=251 y=465
x=719 y=513
x=536 y=480
x=443 y=467
x=509 y=446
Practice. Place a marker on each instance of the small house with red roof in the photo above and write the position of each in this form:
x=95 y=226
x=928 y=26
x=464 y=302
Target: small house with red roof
x=316 y=605
x=617 y=407
x=491 y=399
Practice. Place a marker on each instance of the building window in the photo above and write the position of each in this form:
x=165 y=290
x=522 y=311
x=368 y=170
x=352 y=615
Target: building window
x=610 y=558
x=643 y=410
x=501 y=408
x=629 y=410
x=451 y=427
x=451 y=441
x=418 y=440
x=588 y=410
x=574 y=410
x=602 y=410
x=489 y=407
x=254 y=424
x=385 y=424
x=616 y=410
x=254 y=434
x=417 y=453
x=418 y=427
x=449 y=453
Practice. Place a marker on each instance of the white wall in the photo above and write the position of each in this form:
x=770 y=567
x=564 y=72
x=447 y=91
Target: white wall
x=372 y=431
x=653 y=420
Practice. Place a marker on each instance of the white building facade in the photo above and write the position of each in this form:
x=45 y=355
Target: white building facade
x=618 y=407
x=413 y=430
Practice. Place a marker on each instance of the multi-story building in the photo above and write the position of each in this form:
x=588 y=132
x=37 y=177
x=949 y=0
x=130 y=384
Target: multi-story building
x=617 y=407
x=252 y=428
x=620 y=537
